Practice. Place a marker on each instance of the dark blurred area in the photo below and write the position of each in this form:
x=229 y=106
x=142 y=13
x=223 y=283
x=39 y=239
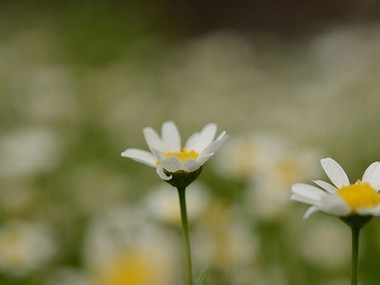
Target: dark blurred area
x=110 y=26
x=179 y=18
x=281 y=17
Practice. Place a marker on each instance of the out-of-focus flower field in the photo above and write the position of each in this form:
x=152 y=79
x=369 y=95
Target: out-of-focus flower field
x=78 y=83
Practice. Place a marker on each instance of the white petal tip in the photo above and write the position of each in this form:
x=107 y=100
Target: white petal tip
x=124 y=154
x=161 y=173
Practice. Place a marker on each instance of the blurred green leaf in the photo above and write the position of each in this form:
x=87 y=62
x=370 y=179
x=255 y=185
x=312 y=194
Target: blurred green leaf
x=202 y=279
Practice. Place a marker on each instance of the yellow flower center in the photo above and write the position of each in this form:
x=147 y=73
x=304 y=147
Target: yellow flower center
x=132 y=268
x=127 y=271
x=359 y=195
x=182 y=155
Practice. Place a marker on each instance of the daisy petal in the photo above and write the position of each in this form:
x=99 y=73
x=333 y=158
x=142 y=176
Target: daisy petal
x=326 y=186
x=372 y=175
x=374 y=211
x=310 y=211
x=335 y=172
x=158 y=154
x=152 y=139
x=202 y=159
x=308 y=191
x=334 y=205
x=222 y=136
x=161 y=173
x=191 y=165
x=202 y=139
x=213 y=147
x=305 y=200
x=171 y=136
x=192 y=141
x=171 y=164
x=141 y=156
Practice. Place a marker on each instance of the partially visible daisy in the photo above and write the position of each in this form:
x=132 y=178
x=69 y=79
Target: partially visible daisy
x=355 y=204
x=341 y=199
x=167 y=154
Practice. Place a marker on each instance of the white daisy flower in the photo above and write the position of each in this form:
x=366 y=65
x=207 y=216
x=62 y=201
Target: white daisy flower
x=167 y=155
x=341 y=198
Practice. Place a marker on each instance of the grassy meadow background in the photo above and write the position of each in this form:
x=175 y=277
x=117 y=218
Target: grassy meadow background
x=290 y=81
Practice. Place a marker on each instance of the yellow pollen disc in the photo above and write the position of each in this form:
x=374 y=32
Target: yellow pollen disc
x=182 y=155
x=359 y=195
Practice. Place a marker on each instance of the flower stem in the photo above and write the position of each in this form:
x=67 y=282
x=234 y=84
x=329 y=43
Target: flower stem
x=355 y=222
x=185 y=229
x=355 y=231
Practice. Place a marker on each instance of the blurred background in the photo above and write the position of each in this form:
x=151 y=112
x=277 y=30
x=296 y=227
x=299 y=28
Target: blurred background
x=290 y=81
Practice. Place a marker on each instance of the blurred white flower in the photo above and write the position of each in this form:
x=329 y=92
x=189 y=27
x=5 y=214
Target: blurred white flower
x=341 y=199
x=248 y=155
x=162 y=203
x=29 y=152
x=225 y=241
x=25 y=247
x=332 y=255
x=122 y=247
x=137 y=266
x=166 y=152
x=270 y=163
x=267 y=195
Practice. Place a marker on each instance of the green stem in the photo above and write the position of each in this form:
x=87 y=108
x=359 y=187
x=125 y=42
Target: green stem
x=185 y=228
x=355 y=250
